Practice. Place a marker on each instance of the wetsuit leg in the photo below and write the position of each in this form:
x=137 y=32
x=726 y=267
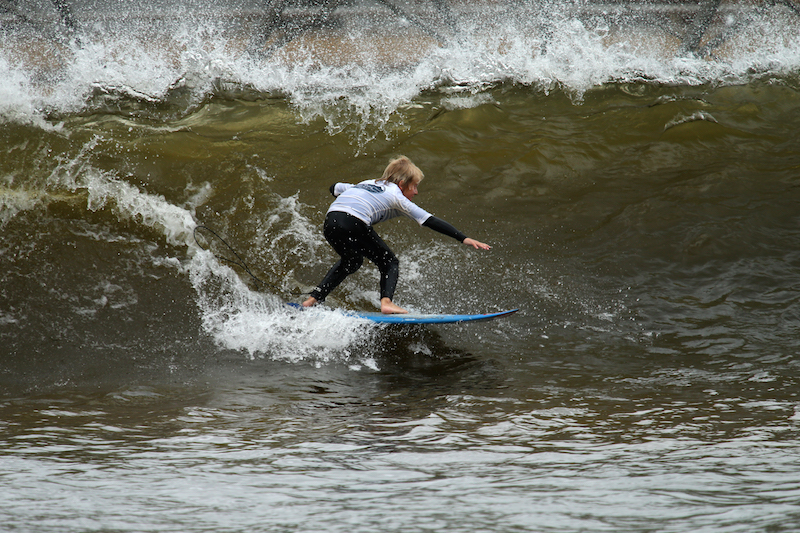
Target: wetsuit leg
x=341 y=233
x=388 y=264
x=353 y=240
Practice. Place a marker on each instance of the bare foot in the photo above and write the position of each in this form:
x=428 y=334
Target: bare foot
x=311 y=301
x=389 y=308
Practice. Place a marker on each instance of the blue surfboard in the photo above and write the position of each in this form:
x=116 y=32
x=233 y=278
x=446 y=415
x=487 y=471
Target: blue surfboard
x=416 y=318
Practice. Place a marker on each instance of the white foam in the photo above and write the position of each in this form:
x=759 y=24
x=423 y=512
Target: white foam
x=14 y=100
x=262 y=326
x=362 y=85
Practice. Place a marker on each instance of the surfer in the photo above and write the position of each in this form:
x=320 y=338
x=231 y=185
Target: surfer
x=348 y=228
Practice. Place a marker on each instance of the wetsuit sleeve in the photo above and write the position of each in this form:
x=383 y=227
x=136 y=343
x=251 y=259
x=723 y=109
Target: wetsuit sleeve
x=437 y=224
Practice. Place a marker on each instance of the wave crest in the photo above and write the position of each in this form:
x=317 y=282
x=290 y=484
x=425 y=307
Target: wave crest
x=355 y=66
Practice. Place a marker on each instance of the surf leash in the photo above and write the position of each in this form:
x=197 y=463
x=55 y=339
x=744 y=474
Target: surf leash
x=238 y=261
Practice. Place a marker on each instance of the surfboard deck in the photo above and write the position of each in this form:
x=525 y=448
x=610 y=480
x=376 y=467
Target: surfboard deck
x=416 y=318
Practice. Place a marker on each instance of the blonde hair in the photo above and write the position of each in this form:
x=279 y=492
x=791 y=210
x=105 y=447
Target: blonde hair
x=402 y=172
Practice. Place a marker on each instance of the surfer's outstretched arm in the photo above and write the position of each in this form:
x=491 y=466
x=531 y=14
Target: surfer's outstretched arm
x=437 y=224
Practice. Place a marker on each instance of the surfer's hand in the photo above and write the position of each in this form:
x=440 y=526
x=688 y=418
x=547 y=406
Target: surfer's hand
x=476 y=244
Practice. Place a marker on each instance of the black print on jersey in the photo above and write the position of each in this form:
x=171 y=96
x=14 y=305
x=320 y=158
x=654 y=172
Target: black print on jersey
x=369 y=187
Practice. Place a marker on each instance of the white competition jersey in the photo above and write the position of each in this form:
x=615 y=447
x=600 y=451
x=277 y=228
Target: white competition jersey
x=374 y=201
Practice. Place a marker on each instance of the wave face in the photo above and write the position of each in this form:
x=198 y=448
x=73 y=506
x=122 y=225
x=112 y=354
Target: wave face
x=125 y=128
x=634 y=166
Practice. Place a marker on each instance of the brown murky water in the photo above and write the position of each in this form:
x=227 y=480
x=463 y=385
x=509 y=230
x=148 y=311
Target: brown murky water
x=642 y=209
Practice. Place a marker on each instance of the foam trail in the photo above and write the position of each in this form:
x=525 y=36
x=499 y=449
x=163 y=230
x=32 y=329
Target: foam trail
x=106 y=190
x=259 y=324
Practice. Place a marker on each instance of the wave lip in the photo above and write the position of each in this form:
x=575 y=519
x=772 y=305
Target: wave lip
x=375 y=55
